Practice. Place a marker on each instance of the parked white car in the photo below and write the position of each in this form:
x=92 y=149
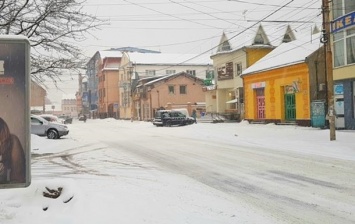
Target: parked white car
x=42 y=127
x=52 y=118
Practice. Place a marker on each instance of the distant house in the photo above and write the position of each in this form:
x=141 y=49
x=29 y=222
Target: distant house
x=179 y=90
x=89 y=94
x=136 y=66
x=282 y=86
x=38 y=97
x=224 y=94
x=108 y=88
x=69 y=106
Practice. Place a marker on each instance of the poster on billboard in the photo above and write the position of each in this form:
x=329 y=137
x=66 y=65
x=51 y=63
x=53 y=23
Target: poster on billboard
x=14 y=112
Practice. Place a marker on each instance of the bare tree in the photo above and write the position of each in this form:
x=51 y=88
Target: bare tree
x=53 y=28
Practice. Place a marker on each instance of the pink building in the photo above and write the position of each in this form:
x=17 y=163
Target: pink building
x=179 y=90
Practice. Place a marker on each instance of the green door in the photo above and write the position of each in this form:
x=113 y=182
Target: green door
x=290 y=107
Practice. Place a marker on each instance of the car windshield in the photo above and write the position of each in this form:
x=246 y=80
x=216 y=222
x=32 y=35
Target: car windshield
x=177 y=112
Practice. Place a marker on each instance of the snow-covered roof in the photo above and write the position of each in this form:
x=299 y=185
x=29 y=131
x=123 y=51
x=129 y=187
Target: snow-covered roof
x=168 y=76
x=272 y=33
x=169 y=59
x=110 y=54
x=286 y=54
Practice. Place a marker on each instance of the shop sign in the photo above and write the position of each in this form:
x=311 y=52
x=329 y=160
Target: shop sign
x=343 y=22
x=338 y=89
x=258 y=85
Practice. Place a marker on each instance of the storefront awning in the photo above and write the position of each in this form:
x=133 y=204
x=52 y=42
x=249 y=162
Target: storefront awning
x=232 y=101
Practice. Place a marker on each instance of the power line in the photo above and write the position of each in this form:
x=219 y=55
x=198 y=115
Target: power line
x=191 y=21
x=272 y=13
x=264 y=4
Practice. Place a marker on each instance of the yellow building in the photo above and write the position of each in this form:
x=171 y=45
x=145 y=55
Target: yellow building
x=280 y=87
x=224 y=95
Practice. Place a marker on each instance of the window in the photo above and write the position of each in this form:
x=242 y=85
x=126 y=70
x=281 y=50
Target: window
x=342 y=7
x=353 y=99
x=350 y=46
x=238 y=69
x=183 y=89
x=171 y=89
x=168 y=72
x=349 y=6
x=226 y=46
x=259 y=39
x=337 y=8
x=150 y=72
x=287 y=38
x=191 y=72
x=344 y=47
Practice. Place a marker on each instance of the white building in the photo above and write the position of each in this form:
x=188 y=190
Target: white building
x=69 y=105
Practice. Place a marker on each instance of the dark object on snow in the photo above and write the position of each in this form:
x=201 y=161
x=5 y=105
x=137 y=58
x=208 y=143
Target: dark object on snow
x=53 y=193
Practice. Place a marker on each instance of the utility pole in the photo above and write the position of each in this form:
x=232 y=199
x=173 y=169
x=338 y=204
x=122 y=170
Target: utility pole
x=329 y=67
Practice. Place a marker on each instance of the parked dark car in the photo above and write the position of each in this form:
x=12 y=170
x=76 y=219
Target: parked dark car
x=169 y=118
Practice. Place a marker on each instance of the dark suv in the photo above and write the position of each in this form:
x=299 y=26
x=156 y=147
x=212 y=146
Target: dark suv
x=169 y=118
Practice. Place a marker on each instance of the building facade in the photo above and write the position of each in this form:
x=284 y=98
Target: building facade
x=225 y=94
x=343 y=42
x=175 y=91
x=69 y=106
x=108 y=88
x=143 y=66
x=38 y=97
x=90 y=95
x=281 y=87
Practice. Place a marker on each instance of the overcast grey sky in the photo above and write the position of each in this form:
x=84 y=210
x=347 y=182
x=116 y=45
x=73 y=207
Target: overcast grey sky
x=189 y=26
x=184 y=26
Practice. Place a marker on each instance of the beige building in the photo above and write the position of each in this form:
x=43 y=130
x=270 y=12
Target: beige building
x=69 y=106
x=38 y=97
x=225 y=93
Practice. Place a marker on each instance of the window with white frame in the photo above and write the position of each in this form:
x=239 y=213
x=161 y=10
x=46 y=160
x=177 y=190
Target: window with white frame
x=168 y=72
x=171 y=89
x=344 y=47
x=191 y=72
x=150 y=72
x=342 y=7
x=182 y=89
x=238 y=69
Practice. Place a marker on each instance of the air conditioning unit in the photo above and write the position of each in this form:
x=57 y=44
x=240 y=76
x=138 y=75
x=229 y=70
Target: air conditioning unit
x=322 y=87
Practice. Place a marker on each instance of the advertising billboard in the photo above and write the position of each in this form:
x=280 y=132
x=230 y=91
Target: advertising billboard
x=14 y=112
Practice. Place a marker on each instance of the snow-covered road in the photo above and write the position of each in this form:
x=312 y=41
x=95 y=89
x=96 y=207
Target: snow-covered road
x=291 y=186
x=134 y=172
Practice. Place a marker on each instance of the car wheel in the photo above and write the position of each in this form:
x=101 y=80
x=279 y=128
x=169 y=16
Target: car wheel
x=52 y=134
